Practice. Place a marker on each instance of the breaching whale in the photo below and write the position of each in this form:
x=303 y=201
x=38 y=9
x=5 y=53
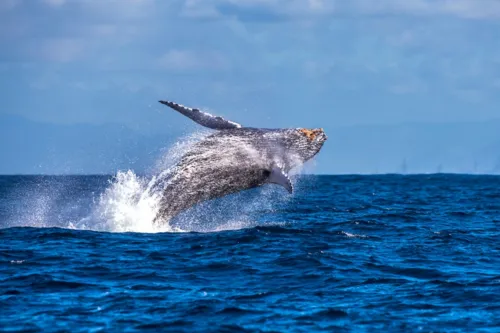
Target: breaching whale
x=233 y=159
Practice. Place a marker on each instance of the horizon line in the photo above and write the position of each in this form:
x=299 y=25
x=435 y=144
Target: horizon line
x=304 y=174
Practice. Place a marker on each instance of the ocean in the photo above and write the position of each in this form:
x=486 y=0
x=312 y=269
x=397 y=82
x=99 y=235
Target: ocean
x=393 y=253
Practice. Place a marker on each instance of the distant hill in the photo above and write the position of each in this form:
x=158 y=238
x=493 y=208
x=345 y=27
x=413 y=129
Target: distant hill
x=417 y=148
x=28 y=147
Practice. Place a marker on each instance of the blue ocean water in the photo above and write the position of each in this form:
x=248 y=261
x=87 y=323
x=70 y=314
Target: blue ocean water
x=343 y=254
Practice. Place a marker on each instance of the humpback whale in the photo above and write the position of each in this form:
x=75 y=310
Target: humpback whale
x=233 y=159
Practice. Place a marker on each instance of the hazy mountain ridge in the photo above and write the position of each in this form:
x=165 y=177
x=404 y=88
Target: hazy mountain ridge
x=74 y=149
x=418 y=148
x=405 y=148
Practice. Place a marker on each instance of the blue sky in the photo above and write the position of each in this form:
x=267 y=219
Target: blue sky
x=275 y=63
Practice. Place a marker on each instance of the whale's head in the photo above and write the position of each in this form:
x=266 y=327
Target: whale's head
x=303 y=144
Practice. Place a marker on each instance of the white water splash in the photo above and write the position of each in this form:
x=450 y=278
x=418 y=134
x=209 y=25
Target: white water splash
x=125 y=206
x=172 y=155
x=129 y=204
x=348 y=234
x=233 y=212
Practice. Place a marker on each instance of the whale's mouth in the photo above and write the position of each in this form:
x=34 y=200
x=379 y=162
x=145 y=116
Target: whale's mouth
x=321 y=136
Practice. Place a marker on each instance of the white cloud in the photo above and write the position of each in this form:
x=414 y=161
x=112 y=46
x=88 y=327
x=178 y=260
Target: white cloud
x=187 y=60
x=469 y=9
x=477 y=9
x=45 y=81
x=123 y=9
x=54 y=3
x=411 y=86
x=111 y=9
x=314 y=69
x=130 y=34
x=472 y=9
x=291 y=8
x=63 y=49
x=199 y=9
x=104 y=30
x=8 y=4
x=470 y=95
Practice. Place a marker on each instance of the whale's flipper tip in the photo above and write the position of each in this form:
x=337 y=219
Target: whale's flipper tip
x=279 y=177
x=202 y=118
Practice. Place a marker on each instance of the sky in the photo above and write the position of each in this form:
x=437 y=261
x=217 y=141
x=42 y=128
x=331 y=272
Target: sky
x=275 y=63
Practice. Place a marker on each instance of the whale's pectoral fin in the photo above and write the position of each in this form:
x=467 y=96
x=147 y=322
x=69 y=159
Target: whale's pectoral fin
x=278 y=176
x=203 y=118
